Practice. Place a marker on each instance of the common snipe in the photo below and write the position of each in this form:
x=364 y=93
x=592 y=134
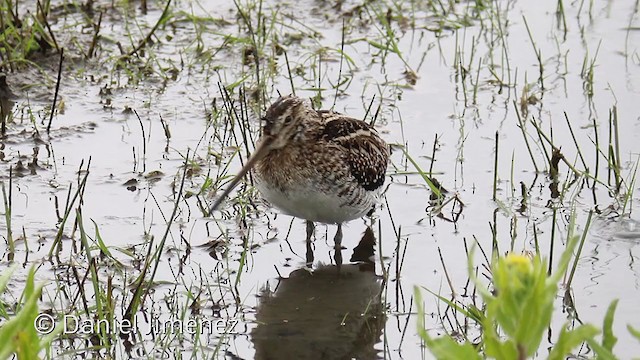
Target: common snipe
x=317 y=165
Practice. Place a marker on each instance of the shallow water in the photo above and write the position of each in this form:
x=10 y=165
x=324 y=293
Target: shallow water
x=413 y=245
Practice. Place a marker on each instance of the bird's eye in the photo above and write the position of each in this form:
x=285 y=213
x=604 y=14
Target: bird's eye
x=287 y=120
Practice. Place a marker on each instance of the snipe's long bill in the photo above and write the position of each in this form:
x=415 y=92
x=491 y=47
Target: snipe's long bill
x=317 y=165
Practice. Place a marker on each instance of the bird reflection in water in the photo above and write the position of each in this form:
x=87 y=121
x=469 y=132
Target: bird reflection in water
x=324 y=314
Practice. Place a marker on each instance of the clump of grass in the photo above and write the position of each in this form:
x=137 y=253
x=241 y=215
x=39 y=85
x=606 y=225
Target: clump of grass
x=23 y=36
x=19 y=335
x=518 y=310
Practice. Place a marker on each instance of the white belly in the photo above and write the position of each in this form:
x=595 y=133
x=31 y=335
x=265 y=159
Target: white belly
x=310 y=204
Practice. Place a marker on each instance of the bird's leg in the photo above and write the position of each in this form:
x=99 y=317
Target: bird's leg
x=310 y=230
x=337 y=240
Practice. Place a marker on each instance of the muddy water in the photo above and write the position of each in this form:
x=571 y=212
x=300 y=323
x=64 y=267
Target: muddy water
x=269 y=303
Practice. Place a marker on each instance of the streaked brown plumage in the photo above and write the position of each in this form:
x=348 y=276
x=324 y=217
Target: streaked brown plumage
x=317 y=165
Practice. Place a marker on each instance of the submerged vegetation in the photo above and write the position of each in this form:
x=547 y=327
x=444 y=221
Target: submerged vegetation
x=122 y=120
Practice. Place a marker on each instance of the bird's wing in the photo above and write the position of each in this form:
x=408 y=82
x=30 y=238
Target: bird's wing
x=365 y=152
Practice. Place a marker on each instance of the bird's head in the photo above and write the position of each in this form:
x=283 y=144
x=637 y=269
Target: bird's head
x=284 y=121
